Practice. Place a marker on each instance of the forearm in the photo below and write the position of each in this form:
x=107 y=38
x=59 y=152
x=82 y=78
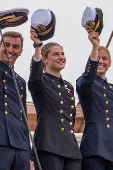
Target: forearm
x=94 y=53
x=36 y=40
x=35 y=82
x=37 y=54
x=94 y=39
x=84 y=83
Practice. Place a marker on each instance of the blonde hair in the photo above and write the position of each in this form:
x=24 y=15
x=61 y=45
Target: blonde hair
x=105 y=49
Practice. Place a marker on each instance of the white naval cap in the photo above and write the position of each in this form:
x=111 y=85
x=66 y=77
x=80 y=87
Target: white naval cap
x=43 y=21
x=92 y=19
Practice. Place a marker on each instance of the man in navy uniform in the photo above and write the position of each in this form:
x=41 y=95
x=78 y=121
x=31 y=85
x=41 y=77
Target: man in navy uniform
x=14 y=138
x=96 y=98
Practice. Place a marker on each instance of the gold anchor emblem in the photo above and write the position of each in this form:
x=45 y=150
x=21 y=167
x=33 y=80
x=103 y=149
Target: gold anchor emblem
x=90 y=24
x=41 y=28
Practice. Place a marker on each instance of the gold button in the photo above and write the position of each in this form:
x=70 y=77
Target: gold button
x=88 y=70
x=108 y=126
x=104 y=95
x=72 y=98
x=30 y=68
x=61 y=102
x=88 y=67
x=5 y=88
x=72 y=106
x=4 y=81
x=70 y=115
x=106 y=111
x=20 y=118
x=89 y=64
x=5 y=96
x=68 y=91
x=31 y=65
x=59 y=94
x=104 y=87
x=70 y=123
x=71 y=131
x=19 y=81
x=62 y=120
x=5 y=72
x=5 y=104
x=20 y=111
x=106 y=102
x=16 y=75
x=62 y=129
x=6 y=112
x=21 y=96
x=22 y=88
x=107 y=119
x=59 y=86
x=65 y=85
x=111 y=87
x=61 y=111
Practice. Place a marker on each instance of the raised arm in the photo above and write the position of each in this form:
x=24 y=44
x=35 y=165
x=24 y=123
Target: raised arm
x=85 y=82
x=94 y=39
x=36 y=40
x=35 y=82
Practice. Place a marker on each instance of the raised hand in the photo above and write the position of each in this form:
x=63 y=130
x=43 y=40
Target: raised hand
x=36 y=40
x=93 y=37
x=34 y=36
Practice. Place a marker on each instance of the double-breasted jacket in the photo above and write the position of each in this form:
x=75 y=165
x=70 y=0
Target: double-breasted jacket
x=55 y=106
x=13 y=129
x=96 y=98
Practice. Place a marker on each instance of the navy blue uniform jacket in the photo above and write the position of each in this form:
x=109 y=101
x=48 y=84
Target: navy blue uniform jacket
x=13 y=130
x=96 y=98
x=55 y=106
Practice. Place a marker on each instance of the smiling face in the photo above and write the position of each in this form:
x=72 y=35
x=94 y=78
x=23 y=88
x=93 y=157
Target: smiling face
x=55 y=60
x=104 y=63
x=13 y=46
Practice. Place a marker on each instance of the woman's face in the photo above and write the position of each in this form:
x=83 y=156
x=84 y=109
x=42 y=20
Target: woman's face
x=104 y=63
x=56 y=59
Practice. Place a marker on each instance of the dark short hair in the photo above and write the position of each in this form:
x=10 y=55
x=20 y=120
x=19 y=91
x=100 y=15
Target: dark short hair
x=14 y=35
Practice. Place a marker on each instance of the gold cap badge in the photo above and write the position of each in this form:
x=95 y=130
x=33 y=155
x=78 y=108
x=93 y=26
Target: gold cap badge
x=41 y=28
x=90 y=24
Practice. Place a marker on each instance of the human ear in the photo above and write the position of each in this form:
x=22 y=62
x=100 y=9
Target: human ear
x=44 y=60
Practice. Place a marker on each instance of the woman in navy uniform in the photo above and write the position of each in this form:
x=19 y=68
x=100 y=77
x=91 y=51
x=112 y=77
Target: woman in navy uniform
x=55 y=106
x=96 y=98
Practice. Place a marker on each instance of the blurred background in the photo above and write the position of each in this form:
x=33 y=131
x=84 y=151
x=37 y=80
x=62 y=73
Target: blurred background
x=69 y=33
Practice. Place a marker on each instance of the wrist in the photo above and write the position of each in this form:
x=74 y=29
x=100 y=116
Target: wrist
x=37 y=45
x=94 y=54
x=95 y=47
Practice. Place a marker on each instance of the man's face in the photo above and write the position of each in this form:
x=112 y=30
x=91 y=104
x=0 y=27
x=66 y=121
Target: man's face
x=104 y=63
x=14 y=50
